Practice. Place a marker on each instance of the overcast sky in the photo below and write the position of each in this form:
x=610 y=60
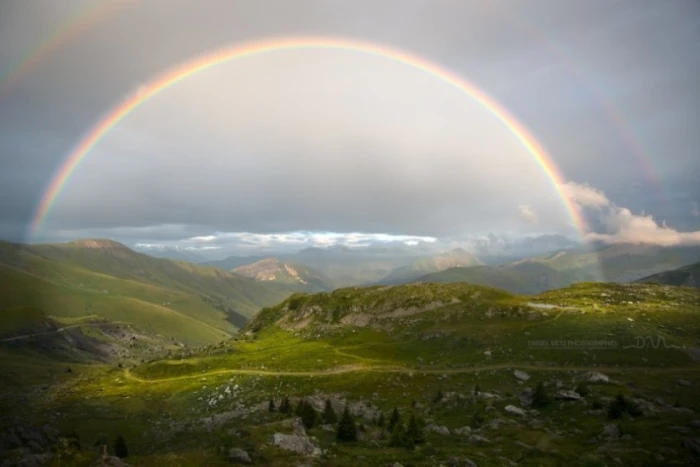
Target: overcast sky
x=305 y=147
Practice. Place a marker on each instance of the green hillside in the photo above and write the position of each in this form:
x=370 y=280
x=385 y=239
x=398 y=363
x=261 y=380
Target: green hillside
x=687 y=276
x=466 y=360
x=106 y=279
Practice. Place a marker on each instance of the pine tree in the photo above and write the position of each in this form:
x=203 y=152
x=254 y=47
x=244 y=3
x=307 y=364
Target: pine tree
x=120 y=449
x=271 y=406
x=398 y=435
x=347 y=431
x=414 y=431
x=540 y=398
x=438 y=396
x=307 y=413
x=394 y=419
x=285 y=407
x=380 y=420
x=477 y=390
x=329 y=415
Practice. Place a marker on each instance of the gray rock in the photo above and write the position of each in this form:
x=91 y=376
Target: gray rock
x=683 y=382
x=521 y=375
x=295 y=443
x=693 y=445
x=298 y=427
x=515 y=410
x=239 y=455
x=465 y=430
x=567 y=395
x=476 y=439
x=611 y=431
x=523 y=445
x=441 y=430
x=596 y=377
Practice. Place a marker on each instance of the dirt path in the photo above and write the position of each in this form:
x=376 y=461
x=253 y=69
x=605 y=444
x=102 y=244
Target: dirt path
x=406 y=370
x=54 y=331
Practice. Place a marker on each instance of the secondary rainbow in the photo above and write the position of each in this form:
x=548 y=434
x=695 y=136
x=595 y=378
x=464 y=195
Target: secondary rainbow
x=69 y=30
x=190 y=68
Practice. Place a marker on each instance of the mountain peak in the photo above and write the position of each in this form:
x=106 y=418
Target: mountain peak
x=99 y=243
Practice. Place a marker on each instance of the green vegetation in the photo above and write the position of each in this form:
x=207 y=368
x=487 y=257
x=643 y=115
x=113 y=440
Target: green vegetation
x=382 y=356
x=687 y=276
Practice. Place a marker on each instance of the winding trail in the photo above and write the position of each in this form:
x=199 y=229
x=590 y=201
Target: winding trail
x=54 y=331
x=406 y=370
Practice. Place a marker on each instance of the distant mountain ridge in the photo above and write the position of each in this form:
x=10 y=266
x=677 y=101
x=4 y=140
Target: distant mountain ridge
x=686 y=276
x=457 y=257
x=276 y=271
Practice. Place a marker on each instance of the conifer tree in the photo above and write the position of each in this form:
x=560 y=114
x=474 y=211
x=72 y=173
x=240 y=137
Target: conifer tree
x=329 y=415
x=347 y=431
x=307 y=413
x=414 y=431
x=394 y=419
x=271 y=406
x=540 y=398
x=398 y=435
x=380 y=420
x=120 y=449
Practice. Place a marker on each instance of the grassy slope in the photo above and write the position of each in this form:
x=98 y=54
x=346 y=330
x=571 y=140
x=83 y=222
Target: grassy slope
x=243 y=295
x=61 y=301
x=405 y=359
x=685 y=276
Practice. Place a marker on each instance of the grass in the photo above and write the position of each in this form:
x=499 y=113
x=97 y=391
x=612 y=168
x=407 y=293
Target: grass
x=162 y=407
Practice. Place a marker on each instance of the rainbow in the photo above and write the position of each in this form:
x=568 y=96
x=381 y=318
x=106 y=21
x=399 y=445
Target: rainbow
x=66 y=32
x=190 y=68
x=612 y=114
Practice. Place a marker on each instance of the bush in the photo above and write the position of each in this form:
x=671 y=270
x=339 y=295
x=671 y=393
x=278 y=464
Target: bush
x=271 y=406
x=540 y=398
x=120 y=449
x=583 y=389
x=621 y=406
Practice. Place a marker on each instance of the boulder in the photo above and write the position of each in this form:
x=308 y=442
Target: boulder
x=515 y=410
x=521 y=375
x=611 y=431
x=596 y=377
x=567 y=395
x=295 y=443
x=239 y=455
x=441 y=430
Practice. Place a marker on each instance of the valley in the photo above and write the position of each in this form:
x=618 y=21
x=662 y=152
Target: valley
x=465 y=360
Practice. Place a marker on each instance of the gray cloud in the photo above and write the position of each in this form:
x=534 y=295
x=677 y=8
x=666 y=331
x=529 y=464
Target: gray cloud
x=299 y=141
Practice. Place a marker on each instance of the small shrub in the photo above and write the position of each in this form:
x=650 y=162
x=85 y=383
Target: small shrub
x=622 y=406
x=120 y=449
x=583 y=389
x=540 y=398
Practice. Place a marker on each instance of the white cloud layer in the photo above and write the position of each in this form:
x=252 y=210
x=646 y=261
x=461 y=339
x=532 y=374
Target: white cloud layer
x=615 y=224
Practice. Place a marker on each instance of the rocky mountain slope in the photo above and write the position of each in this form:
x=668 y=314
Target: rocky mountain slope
x=275 y=271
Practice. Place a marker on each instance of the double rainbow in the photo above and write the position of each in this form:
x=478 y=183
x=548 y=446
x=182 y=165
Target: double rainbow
x=190 y=68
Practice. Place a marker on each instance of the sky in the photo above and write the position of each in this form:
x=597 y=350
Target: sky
x=312 y=147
